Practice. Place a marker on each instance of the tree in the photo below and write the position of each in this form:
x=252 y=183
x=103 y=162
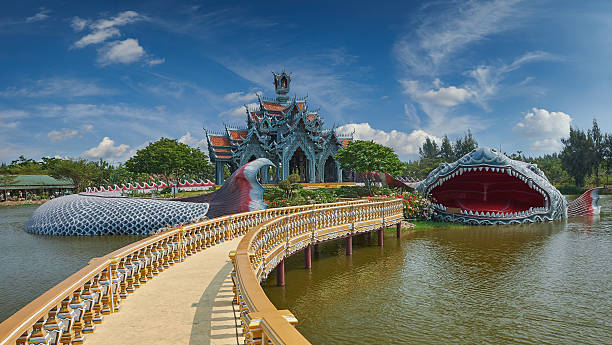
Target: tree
x=429 y=149
x=5 y=181
x=446 y=150
x=368 y=156
x=291 y=185
x=598 y=148
x=80 y=171
x=576 y=157
x=607 y=154
x=465 y=145
x=171 y=159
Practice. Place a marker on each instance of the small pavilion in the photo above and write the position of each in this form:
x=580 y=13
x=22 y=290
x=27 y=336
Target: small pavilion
x=286 y=132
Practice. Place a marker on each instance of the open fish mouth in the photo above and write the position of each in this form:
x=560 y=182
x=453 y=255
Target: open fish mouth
x=487 y=187
x=488 y=192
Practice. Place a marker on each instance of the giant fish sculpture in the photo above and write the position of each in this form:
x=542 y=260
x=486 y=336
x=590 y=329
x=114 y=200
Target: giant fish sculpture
x=486 y=187
x=83 y=214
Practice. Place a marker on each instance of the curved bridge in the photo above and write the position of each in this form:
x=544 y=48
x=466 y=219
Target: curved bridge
x=73 y=308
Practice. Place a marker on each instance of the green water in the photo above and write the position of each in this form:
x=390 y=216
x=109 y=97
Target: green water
x=547 y=283
x=32 y=264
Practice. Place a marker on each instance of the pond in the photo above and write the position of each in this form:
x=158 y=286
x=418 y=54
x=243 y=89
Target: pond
x=536 y=283
x=32 y=264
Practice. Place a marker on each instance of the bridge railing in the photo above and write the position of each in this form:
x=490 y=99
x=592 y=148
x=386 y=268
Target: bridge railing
x=263 y=248
x=75 y=306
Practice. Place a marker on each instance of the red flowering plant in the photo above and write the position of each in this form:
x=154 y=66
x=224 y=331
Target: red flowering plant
x=416 y=206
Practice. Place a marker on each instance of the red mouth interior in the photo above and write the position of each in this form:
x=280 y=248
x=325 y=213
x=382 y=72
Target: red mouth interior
x=487 y=191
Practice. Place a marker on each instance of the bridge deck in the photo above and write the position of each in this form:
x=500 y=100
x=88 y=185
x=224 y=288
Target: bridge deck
x=190 y=303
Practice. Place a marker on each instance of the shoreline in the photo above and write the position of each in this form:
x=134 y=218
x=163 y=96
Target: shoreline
x=22 y=203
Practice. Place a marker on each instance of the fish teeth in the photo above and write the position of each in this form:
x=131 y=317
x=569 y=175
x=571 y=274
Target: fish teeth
x=486 y=168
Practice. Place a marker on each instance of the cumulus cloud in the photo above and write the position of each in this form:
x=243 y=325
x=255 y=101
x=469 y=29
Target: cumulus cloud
x=107 y=150
x=126 y=51
x=442 y=96
x=118 y=51
x=188 y=139
x=405 y=144
x=88 y=127
x=41 y=15
x=545 y=127
x=62 y=135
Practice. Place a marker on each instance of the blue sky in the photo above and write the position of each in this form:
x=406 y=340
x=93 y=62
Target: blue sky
x=101 y=80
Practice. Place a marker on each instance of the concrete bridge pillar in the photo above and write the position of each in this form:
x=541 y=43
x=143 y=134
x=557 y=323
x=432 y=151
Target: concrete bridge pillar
x=280 y=273
x=399 y=229
x=307 y=257
x=381 y=233
x=349 y=245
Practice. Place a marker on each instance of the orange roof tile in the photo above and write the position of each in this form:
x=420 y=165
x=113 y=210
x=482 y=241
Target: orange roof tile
x=274 y=106
x=224 y=156
x=301 y=106
x=345 y=142
x=219 y=141
x=238 y=135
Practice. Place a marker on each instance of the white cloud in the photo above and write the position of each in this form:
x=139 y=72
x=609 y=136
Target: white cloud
x=237 y=113
x=126 y=51
x=88 y=127
x=154 y=62
x=240 y=97
x=438 y=37
x=436 y=105
x=41 y=15
x=119 y=51
x=64 y=134
x=188 y=139
x=107 y=150
x=405 y=144
x=446 y=96
x=96 y=37
x=540 y=123
x=121 y=19
x=57 y=87
x=78 y=24
x=103 y=29
x=487 y=78
x=545 y=127
x=546 y=145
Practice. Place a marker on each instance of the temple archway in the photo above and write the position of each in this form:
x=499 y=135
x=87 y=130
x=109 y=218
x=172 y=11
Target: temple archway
x=298 y=164
x=330 y=170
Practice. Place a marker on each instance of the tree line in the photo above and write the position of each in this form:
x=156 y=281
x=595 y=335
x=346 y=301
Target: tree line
x=585 y=155
x=164 y=160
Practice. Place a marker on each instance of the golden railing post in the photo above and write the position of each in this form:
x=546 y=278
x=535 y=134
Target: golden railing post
x=78 y=306
x=89 y=299
x=67 y=316
x=39 y=335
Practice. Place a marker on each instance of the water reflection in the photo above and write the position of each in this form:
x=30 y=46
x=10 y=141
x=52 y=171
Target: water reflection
x=534 y=283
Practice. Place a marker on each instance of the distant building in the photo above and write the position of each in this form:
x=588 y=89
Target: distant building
x=286 y=132
x=37 y=184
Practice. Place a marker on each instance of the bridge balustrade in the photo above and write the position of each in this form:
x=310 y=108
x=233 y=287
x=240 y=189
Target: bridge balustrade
x=77 y=305
x=269 y=243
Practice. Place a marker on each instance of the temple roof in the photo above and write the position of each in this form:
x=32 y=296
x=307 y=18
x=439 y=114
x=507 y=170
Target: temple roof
x=270 y=123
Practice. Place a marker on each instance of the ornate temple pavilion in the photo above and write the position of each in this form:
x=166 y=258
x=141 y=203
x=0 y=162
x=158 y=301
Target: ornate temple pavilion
x=286 y=132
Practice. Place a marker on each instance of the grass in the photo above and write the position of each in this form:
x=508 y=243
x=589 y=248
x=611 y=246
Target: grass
x=421 y=225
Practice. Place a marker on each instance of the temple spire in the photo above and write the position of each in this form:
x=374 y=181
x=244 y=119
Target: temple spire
x=282 y=85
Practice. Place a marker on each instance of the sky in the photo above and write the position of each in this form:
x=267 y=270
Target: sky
x=101 y=80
